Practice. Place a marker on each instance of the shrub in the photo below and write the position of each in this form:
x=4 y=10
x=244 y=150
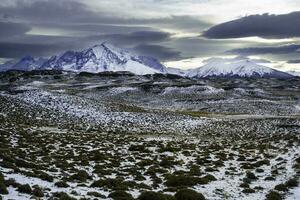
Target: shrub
x=251 y=176
x=25 y=164
x=3 y=189
x=63 y=196
x=293 y=182
x=38 y=192
x=248 y=190
x=115 y=184
x=96 y=194
x=273 y=196
x=195 y=170
x=168 y=148
x=281 y=187
x=61 y=184
x=25 y=189
x=146 y=162
x=120 y=195
x=210 y=177
x=259 y=170
x=270 y=178
x=261 y=163
x=181 y=180
x=258 y=188
x=44 y=176
x=80 y=176
x=98 y=156
x=167 y=162
x=12 y=182
x=244 y=185
x=1 y=178
x=140 y=148
x=155 y=196
x=187 y=194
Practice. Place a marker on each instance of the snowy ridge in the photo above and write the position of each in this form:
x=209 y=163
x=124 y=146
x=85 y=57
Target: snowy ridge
x=239 y=66
x=106 y=57
x=99 y=58
x=27 y=63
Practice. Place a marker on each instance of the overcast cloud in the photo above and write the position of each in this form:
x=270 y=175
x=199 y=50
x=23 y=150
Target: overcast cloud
x=169 y=30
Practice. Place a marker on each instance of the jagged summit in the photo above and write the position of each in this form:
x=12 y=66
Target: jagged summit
x=104 y=57
x=99 y=58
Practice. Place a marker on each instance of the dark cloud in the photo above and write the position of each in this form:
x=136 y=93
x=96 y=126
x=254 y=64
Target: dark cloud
x=134 y=38
x=66 y=11
x=48 y=11
x=49 y=45
x=97 y=28
x=285 y=49
x=79 y=26
x=9 y=29
x=13 y=50
x=199 y=47
x=265 y=26
x=73 y=25
x=182 y=22
x=158 y=51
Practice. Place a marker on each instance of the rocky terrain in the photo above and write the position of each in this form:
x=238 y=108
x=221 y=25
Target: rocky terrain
x=117 y=135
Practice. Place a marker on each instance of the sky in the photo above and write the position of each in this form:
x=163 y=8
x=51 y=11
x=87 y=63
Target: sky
x=179 y=33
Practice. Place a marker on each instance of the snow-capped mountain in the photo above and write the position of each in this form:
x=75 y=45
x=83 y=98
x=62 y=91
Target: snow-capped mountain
x=104 y=57
x=231 y=67
x=26 y=63
x=99 y=58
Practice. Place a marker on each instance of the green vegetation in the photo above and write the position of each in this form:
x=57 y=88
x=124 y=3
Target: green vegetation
x=187 y=194
x=155 y=196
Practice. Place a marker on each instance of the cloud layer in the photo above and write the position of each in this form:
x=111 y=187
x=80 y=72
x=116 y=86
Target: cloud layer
x=285 y=49
x=265 y=26
x=169 y=30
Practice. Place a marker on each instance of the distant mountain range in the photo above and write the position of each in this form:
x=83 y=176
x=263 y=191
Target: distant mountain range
x=99 y=58
x=106 y=57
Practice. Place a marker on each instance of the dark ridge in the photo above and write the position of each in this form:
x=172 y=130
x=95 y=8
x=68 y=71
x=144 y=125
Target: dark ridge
x=106 y=74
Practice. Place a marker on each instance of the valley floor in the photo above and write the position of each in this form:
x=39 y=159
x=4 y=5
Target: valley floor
x=67 y=136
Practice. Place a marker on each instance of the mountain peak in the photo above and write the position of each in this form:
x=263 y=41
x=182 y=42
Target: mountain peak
x=107 y=46
x=231 y=67
x=27 y=58
x=99 y=58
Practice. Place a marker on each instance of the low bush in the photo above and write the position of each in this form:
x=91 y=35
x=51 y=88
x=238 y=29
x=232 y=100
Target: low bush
x=80 y=176
x=120 y=195
x=25 y=189
x=281 y=187
x=38 y=192
x=63 y=196
x=155 y=196
x=293 y=182
x=251 y=176
x=187 y=194
x=248 y=190
x=61 y=184
x=273 y=196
